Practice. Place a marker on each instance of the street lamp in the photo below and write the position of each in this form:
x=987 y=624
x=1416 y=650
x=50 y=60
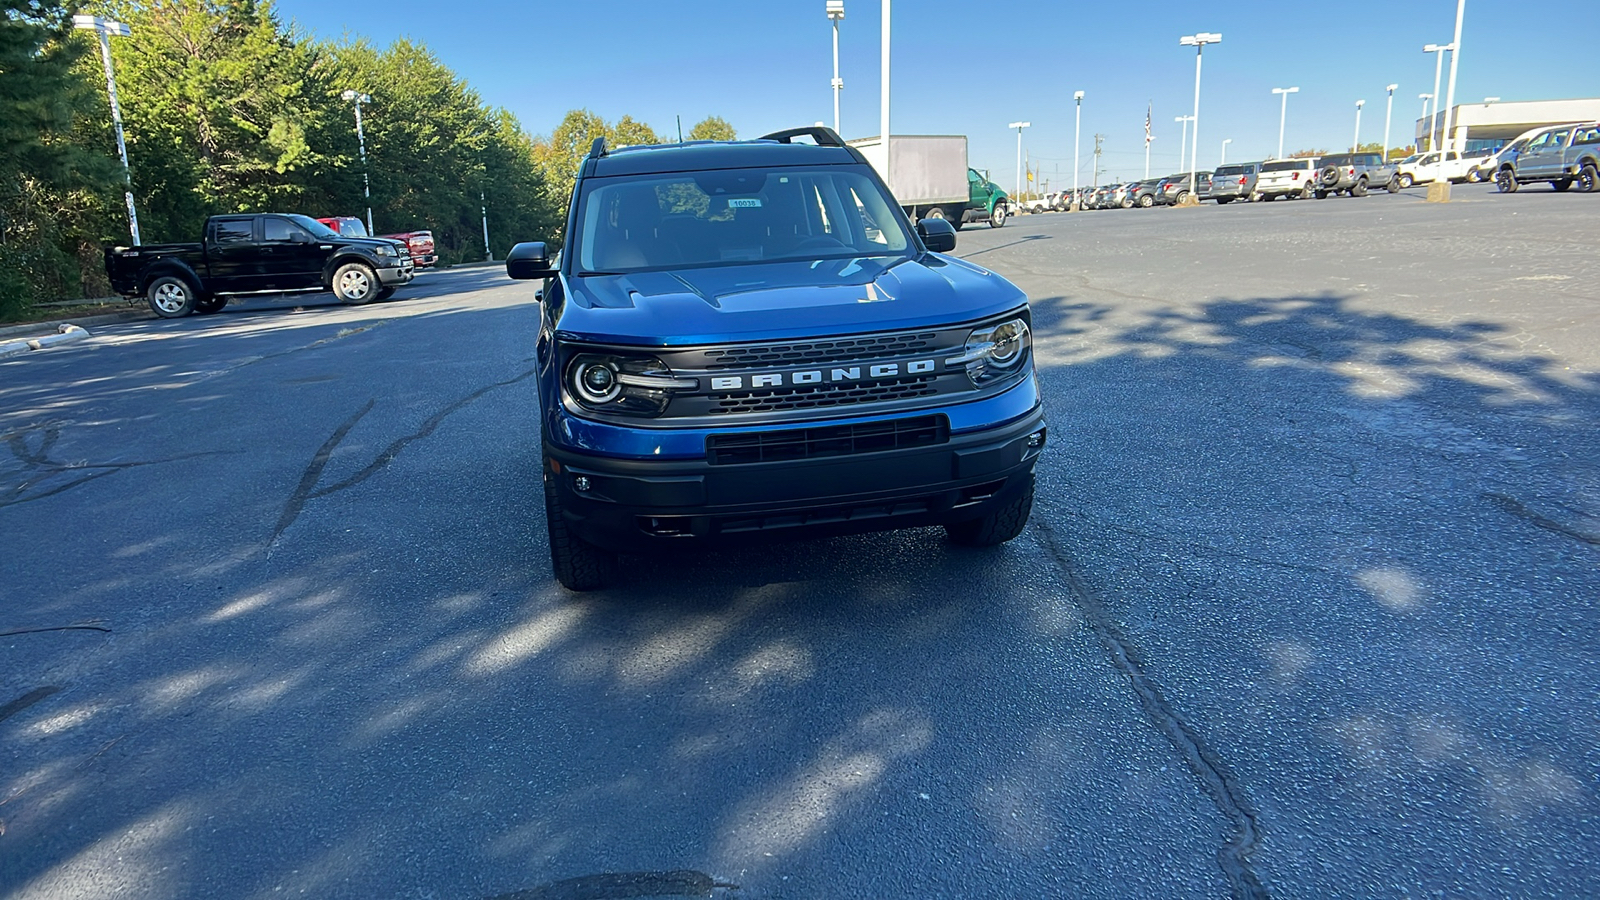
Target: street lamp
x=1198 y=42
x=1355 y=145
x=1224 y=160
x=835 y=15
x=1388 y=114
x=1489 y=100
x=1450 y=95
x=106 y=28
x=1077 y=138
x=1283 y=115
x=1438 y=69
x=1019 y=126
x=1183 y=142
x=1425 y=98
x=361 y=138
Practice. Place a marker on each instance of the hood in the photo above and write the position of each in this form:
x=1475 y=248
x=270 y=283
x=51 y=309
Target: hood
x=781 y=301
x=371 y=243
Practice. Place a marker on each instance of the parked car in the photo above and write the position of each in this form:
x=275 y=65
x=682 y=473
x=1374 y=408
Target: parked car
x=349 y=226
x=1564 y=156
x=1143 y=193
x=258 y=253
x=1291 y=178
x=670 y=423
x=1236 y=181
x=1421 y=168
x=1354 y=174
x=1174 y=188
x=1119 y=198
x=421 y=245
x=1480 y=167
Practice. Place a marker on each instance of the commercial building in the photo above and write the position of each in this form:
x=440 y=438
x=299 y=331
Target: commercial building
x=1492 y=123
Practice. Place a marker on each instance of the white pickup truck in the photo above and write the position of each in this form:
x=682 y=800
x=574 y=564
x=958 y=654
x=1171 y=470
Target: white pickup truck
x=1421 y=168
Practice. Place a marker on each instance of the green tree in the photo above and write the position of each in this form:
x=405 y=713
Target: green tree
x=712 y=128
x=630 y=133
x=45 y=176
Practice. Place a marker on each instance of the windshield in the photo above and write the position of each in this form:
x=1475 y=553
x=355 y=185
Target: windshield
x=734 y=217
x=316 y=228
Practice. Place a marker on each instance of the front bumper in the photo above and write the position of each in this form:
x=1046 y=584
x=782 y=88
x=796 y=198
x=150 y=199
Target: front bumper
x=393 y=275
x=634 y=505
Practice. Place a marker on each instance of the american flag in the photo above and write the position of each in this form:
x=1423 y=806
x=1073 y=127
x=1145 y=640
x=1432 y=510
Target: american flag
x=1147 y=137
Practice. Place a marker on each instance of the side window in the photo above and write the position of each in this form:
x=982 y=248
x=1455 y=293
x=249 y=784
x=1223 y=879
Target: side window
x=1540 y=142
x=1559 y=139
x=280 y=231
x=1587 y=136
x=232 y=231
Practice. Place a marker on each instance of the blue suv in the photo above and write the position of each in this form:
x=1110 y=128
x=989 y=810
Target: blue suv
x=748 y=339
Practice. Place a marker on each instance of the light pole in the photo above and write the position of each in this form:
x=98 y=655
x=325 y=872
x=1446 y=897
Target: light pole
x=1355 y=144
x=1019 y=126
x=1224 y=159
x=1425 y=98
x=1148 y=139
x=359 y=98
x=1183 y=142
x=1077 y=139
x=1283 y=115
x=883 y=101
x=1450 y=94
x=1388 y=114
x=1438 y=69
x=488 y=255
x=1198 y=42
x=835 y=15
x=106 y=28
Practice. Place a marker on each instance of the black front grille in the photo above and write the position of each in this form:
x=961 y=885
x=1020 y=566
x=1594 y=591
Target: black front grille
x=833 y=440
x=832 y=350
x=814 y=396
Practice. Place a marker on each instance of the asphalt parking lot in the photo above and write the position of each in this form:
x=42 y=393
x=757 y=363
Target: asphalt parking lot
x=1306 y=606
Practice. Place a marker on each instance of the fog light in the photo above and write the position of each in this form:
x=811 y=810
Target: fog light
x=1036 y=439
x=580 y=483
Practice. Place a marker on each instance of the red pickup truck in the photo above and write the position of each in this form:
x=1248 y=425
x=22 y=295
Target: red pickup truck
x=420 y=243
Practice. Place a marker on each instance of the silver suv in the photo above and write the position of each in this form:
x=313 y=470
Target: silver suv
x=1236 y=181
x=1354 y=174
x=1564 y=156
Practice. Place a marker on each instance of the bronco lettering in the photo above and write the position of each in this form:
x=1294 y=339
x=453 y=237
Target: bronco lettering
x=817 y=376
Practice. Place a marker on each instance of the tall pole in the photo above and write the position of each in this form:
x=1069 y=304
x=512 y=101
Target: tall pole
x=1425 y=98
x=1450 y=97
x=359 y=98
x=1355 y=145
x=488 y=255
x=1183 y=142
x=1019 y=126
x=106 y=28
x=1387 y=115
x=1438 y=69
x=1077 y=139
x=883 y=101
x=1223 y=160
x=835 y=14
x=1147 y=143
x=1283 y=115
x=1199 y=42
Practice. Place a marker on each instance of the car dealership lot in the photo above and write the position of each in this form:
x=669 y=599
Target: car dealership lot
x=1305 y=607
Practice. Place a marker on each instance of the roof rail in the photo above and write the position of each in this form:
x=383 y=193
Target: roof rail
x=598 y=148
x=824 y=137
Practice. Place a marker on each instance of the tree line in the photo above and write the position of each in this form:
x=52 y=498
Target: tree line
x=227 y=109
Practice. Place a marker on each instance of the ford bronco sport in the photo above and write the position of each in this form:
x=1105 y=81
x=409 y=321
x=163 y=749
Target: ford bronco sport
x=749 y=339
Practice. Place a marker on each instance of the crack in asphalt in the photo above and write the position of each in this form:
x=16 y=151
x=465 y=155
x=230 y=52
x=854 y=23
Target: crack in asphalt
x=1514 y=507
x=307 y=488
x=1214 y=776
x=38 y=464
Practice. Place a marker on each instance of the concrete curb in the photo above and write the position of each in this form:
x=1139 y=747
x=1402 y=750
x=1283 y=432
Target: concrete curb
x=65 y=334
x=54 y=326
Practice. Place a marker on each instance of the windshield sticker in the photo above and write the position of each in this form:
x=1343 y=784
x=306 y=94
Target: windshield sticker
x=744 y=203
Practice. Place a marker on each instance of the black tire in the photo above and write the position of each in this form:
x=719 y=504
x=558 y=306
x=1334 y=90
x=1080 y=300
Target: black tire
x=355 y=283
x=1475 y=176
x=210 y=305
x=1146 y=201
x=1005 y=523
x=1588 y=178
x=1505 y=181
x=578 y=565
x=1305 y=193
x=954 y=215
x=385 y=293
x=997 y=216
x=934 y=212
x=1360 y=189
x=1393 y=186
x=1405 y=180
x=1126 y=203
x=1257 y=197
x=1320 y=195
x=1222 y=200
x=1562 y=185
x=1328 y=177
x=170 y=297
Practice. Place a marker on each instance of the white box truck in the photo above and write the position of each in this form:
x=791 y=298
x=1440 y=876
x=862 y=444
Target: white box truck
x=930 y=178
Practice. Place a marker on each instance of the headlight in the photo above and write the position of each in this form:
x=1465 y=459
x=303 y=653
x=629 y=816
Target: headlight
x=622 y=384
x=995 y=350
x=384 y=250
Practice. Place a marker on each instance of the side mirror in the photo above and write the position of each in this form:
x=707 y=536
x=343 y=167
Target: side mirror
x=529 y=260
x=937 y=235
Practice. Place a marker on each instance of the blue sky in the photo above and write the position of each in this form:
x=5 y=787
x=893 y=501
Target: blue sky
x=970 y=68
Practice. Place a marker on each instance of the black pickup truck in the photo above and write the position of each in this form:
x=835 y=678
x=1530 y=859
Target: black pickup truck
x=260 y=253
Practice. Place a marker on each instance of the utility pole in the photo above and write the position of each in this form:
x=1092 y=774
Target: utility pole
x=488 y=255
x=105 y=28
x=1098 y=147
